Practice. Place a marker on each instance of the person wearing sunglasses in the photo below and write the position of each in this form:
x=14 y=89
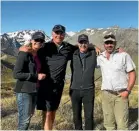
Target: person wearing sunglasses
x=30 y=76
x=118 y=79
x=55 y=54
x=82 y=86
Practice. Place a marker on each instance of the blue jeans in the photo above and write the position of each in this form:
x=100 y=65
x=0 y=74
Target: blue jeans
x=26 y=103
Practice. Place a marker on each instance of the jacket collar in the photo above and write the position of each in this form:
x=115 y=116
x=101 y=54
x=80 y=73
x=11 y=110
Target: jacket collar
x=77 y=52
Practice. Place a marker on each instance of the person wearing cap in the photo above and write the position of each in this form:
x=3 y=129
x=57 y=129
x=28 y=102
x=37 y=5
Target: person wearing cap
x=118 y=79
x=82 y=86
x=29 y=75
x=56 y=54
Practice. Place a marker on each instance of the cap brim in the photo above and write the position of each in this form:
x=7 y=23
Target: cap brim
x=82 y=40
x=109 y=39
x=38 y=37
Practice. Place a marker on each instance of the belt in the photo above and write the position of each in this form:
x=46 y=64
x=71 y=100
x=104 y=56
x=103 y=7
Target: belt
x=115 y=92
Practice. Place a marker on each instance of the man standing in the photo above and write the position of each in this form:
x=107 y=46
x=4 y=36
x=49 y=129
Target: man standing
x=54 y=55
x=118 y=78
x=83 y=66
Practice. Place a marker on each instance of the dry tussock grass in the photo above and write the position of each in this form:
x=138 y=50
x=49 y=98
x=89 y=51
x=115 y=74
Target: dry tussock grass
x=64 y=114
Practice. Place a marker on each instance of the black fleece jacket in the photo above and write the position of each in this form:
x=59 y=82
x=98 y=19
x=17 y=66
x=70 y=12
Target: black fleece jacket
x=26 y=73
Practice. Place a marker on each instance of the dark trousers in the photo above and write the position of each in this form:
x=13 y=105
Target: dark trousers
x=87 y=98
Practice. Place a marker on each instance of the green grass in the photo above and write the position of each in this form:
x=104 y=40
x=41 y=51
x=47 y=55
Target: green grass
x=10 y=58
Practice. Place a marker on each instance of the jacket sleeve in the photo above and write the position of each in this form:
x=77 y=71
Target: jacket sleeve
x=72 y=50
x=20 y=65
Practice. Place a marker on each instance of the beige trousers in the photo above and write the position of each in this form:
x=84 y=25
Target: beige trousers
x=115 y=111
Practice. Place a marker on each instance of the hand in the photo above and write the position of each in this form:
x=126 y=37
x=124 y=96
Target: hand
x=25 y=48
x=120 y=50
x=98 y=51
x=124 y=94
x=41 y=76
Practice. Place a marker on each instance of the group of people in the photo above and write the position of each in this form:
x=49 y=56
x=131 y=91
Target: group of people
x=40 y=72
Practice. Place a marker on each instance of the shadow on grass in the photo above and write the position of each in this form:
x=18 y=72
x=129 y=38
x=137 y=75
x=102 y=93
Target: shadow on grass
x=7 y=64
x=35 y=126
x=5 y=113
x=133 y=118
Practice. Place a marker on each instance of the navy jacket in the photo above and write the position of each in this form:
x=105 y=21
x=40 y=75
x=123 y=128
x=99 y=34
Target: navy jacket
x=83 y=70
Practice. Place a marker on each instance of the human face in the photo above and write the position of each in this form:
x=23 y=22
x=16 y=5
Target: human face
x=37 y=44
x=109 y=46
x=58 y=37
x=83 y=46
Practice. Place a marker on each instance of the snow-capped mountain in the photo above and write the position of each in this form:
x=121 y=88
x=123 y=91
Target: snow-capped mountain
x=10 y=42
x=70 y=33
x=9 y=45
x=19 y=35
x=126 y=38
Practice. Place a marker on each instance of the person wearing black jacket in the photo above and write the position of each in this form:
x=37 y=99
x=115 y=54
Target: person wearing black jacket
x=82 y=86
x=55 y=54
x=28 y=73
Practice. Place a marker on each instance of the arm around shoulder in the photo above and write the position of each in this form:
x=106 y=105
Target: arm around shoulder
x=130 y=65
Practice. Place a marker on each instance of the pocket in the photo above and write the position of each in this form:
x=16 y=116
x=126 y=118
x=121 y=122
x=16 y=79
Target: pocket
x=117 y=66
x=29 y=87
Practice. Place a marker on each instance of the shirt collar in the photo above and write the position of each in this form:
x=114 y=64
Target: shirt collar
x=58 y=46
x=104 y=53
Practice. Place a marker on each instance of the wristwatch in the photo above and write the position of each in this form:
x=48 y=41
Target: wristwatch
x=128 y=91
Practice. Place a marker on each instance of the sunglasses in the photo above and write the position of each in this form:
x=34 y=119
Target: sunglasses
x=83 y=42
x=39 y=40
x=109 y=42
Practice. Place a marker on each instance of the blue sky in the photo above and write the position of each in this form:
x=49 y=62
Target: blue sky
x=75 y=16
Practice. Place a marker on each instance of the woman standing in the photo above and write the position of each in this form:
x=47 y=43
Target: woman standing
x=29 y=75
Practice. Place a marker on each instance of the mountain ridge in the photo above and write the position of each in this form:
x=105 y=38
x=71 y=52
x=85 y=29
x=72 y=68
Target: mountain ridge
x=127 y=38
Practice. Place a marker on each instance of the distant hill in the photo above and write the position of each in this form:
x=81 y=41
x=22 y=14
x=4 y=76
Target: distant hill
x=126 y=38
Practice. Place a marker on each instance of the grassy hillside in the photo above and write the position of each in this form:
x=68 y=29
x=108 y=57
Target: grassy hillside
x=6 y=72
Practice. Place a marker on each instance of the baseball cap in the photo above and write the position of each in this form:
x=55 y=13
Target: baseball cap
x=109 y=37
x=38 y=35
x=59 y=28
x=83 y=37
